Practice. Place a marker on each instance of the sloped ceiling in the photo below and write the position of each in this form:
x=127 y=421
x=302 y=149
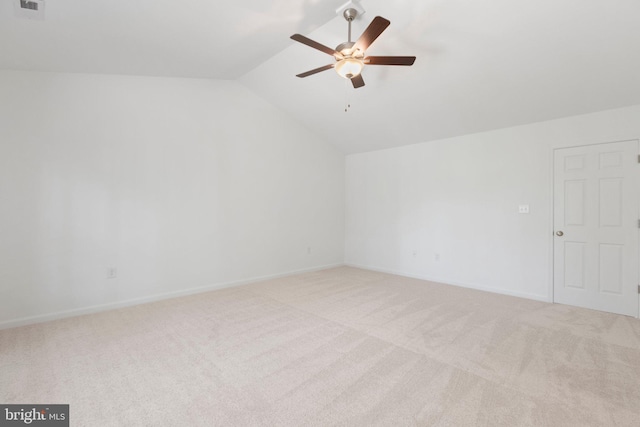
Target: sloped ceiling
x=481 y=65
x=194 y=38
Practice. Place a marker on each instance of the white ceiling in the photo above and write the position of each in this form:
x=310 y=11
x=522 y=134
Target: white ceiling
x=194 y=38
x=481 y=65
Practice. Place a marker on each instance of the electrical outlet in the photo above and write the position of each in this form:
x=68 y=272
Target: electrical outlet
x=112 y=273
x=436 y=257
x=523 y=209
x=309 y=250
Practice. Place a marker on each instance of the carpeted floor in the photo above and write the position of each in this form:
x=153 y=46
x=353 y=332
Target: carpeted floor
x=336 y=347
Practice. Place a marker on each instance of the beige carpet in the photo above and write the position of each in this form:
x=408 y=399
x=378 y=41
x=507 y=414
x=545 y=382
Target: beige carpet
x=337 y=347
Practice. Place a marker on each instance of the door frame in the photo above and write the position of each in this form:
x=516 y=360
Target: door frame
x=551 y=230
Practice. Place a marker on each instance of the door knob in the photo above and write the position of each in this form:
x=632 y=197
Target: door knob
x=559 y=233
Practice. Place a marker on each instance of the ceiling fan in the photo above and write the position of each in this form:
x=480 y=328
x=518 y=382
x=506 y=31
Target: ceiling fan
x=350 y=56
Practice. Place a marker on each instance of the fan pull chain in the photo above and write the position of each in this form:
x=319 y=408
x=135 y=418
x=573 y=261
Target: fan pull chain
x=346 y=96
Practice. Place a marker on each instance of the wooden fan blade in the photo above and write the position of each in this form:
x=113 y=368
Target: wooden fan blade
x=377 y=26
x=357 y=81
x=314 y=44
x=389 y=60
x=315 y=70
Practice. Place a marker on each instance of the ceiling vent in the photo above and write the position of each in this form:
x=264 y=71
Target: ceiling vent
x=29 y=9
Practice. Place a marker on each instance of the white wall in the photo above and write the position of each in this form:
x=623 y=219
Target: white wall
x=178 y=183
x=458 y=199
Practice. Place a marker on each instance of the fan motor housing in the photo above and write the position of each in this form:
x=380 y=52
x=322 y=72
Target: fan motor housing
x=345 y=46
x=346 y=49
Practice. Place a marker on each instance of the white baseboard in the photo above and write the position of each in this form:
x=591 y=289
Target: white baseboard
x=22 y=321
x=536 y=297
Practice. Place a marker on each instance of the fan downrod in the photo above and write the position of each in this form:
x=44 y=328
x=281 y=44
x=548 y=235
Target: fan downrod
x=349 y=14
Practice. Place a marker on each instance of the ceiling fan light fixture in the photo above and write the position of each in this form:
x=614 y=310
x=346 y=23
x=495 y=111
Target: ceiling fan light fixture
x=349 y=67
x=351 y=56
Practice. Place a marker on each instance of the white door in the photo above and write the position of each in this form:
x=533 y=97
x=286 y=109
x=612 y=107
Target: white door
x=596 y=227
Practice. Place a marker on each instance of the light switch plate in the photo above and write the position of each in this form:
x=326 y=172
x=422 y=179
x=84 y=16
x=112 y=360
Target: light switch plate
x=523 y=209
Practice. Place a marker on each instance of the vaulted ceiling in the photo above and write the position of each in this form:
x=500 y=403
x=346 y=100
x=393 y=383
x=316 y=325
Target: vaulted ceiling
x=481 y=65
